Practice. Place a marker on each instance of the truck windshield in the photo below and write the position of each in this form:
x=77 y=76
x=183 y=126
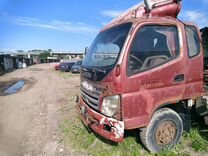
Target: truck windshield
x=107 y=46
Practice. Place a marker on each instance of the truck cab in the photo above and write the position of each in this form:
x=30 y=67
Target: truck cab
x=143 y=71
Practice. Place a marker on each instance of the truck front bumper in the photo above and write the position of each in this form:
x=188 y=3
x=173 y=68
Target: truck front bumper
x=109 y=128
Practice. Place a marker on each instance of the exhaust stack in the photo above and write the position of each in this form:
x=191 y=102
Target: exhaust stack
x=150 y=4
x=150 y=8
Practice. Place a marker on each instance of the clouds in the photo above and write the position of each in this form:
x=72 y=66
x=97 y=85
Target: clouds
x=56 y=25
x=111 y=13
x=196 y=16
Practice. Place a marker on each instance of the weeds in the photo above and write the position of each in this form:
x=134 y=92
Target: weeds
x=80 y=139
x=77 y=135
x=176 y=151
x=198 y=142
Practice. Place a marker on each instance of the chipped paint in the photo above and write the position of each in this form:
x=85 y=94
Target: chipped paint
x=118 y=129
x=98 y=122
x=117 y=126
x=102 y=121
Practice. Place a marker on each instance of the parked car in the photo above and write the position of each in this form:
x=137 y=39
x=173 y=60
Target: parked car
x=66 y=66
x=57 y=66
x=76 y=67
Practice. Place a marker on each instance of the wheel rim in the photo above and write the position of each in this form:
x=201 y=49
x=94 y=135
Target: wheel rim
x=166 y=133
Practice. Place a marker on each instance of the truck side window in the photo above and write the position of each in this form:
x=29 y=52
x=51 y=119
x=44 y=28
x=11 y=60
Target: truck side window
x=153 y=46
x=193 y=41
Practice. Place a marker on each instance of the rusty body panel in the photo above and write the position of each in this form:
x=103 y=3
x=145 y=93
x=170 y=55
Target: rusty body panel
x=143 y=93
x=148 y=90
x=106 y=127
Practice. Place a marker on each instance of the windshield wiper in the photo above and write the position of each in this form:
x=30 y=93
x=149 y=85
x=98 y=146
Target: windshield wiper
x=99 y=70
x=109 y=58
x=93 y=70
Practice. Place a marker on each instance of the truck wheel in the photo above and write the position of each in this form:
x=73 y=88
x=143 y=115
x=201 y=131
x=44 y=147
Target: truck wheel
x=164 y=130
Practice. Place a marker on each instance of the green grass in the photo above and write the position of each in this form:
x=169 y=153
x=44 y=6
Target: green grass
x=78 y=137
x=176 y=151
x=199 y=142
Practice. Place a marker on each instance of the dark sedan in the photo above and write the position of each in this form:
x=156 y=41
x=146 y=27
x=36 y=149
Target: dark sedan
x=76 y=67
x=66 y=66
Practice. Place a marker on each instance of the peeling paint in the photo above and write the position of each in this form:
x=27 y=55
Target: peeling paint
x=118 y=129
x=117 y=126
x=98 y=122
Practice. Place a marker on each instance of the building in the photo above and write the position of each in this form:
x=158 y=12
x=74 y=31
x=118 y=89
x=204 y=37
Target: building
x=7 y=62
x=39 y=56
x=10 y=60
x=66 y=55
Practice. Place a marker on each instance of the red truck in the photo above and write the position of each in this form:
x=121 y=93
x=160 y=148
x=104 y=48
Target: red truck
x=145 y=70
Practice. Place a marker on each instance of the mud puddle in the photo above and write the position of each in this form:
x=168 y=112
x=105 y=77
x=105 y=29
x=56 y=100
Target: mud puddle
x=15 y=87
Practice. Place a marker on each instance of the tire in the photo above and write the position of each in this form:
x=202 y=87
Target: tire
x=164 y=130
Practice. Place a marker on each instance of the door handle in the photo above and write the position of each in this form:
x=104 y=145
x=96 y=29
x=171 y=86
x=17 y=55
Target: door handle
x=179 y=78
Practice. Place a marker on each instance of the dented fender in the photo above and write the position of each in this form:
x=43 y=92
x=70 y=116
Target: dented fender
x=106 y=127
x=117 y=126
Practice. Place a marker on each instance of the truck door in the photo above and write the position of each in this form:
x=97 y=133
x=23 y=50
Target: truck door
x=194 y=64
x=155 y=73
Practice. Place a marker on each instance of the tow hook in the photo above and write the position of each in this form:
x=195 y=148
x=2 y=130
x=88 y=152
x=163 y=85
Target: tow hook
x=77 y=98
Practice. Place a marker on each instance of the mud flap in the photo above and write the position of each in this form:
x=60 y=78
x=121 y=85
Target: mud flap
x=202 y=106
x=77 y=98
x=206 y=120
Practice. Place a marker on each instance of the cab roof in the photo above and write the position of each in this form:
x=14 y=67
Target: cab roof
x=149 y=9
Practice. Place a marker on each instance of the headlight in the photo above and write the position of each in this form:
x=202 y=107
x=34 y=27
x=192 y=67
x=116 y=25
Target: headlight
x=110 y=105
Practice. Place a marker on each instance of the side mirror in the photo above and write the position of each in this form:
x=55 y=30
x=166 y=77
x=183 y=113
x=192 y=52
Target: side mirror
x=86 y=50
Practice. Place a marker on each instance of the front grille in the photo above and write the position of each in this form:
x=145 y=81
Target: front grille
x=90 y=99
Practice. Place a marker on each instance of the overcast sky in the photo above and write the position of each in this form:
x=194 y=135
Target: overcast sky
x=69 y=24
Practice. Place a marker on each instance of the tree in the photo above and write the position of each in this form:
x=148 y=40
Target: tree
x=36 y=50
x=49 y=50
x=44 y=55
x=20 y=51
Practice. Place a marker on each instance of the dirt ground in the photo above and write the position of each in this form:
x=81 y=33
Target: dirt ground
x=30 y=118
